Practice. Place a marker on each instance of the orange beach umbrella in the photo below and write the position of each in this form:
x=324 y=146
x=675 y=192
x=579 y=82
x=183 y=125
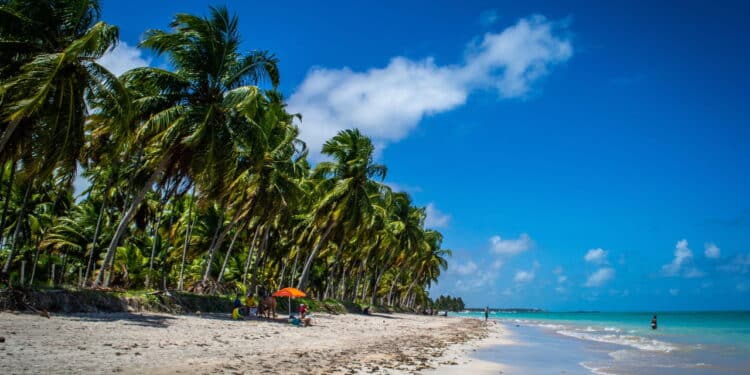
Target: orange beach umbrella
x=291 y=293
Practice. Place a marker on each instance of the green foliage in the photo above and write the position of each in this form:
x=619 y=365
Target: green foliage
x=198 y=180
x=448 y=303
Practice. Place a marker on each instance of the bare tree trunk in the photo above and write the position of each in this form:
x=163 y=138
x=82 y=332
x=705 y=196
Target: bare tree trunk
x=308 y=264
x=16 y=231
x=188 y=233
x=125 y=221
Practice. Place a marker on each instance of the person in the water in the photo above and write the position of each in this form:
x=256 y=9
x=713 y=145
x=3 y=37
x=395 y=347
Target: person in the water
x=653 y=322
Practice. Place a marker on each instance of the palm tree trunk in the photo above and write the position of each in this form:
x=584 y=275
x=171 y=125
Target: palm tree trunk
x=375 y=286
x=125 y=221
x=33 y=267
x=7 y=133
x=408 y=291
x=393 y=286
x=211 y=253
x=331 y=281
x=90 y=264
x=250 y=255
x=294 y=266
x=188 y=233
x=8 y=193
x=259 y=258
x=302 y=283
x=359 y=278
x=229 y=252
x=21 y=213
x=63 y=268
x=153 y=249
x=342 y=284
x=283 y=271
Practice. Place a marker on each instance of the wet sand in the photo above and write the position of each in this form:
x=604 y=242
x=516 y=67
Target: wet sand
x=212 y=343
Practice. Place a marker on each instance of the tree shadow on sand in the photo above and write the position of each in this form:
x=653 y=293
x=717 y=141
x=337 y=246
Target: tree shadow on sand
x=148 y=320
x=384 y=316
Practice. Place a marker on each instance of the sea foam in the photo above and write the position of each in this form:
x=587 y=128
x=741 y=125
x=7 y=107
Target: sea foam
x=637 y=342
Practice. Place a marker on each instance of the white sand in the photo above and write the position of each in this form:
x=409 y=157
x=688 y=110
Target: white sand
x=167 y=344
x=497 y=335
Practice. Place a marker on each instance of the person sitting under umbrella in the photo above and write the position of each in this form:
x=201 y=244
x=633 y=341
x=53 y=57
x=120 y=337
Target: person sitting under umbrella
x=305 y=321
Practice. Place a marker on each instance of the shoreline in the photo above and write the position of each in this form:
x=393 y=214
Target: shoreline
x=212 y=343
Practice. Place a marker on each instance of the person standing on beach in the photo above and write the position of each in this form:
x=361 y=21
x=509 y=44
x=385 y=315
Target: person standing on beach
x=486 y=313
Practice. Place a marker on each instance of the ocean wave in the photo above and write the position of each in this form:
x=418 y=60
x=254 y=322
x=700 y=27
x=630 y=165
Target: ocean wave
x=594 y=369
x=637 y=342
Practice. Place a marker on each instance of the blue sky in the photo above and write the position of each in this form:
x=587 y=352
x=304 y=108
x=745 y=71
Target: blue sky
x=576 y=155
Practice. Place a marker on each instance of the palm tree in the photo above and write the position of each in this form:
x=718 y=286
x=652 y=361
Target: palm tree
x=203 y=111
x=348 y=190
x=55 y=46
x=48 y=69
x=428 y=262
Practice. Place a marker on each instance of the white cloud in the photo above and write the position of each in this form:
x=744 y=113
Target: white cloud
x=123 y=58
x=596 y=256
x=396 y=187
x=497 y=264
x=600 y=277
x=526 y=276
x=488 y=17
x=467 y=268
x=435 y=218
x=388 y=103
x=477 y=279
x=711 y=250
x=692 y=273
x=682 y=256
x=560 y=289
x=739 y=264
x=561 y=278
x=510 y=246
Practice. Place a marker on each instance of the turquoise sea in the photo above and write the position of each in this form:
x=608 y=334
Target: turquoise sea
x=624 y=343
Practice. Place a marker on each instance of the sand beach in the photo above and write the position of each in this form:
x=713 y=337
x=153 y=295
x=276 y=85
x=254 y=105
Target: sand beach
x=151 y=343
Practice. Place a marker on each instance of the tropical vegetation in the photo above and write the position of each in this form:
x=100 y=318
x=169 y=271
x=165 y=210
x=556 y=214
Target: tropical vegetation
x=196 y=177
x=448 y=303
